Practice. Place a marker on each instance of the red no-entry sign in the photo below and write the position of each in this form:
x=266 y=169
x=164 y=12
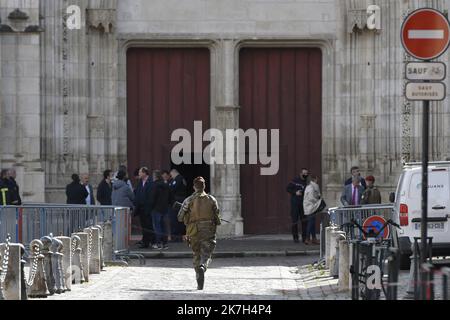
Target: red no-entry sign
x=425 y=34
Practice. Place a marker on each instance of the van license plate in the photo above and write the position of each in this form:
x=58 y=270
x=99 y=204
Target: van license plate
x=436 y=226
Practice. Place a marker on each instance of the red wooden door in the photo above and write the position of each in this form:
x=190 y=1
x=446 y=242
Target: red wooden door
x=280 y=88
x=167 y=89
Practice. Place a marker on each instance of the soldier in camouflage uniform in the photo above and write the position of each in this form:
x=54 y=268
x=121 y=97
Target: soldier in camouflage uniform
x=200 y=214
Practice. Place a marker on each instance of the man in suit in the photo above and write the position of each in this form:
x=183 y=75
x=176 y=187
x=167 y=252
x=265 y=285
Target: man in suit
x=90 y=199
x=352 y=194
x=143 y=207
x=356 y=174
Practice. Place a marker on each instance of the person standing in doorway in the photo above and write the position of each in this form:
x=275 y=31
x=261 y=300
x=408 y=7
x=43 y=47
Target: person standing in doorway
x=200 y=213
x=142 y=207
x=104 y=190
x=313 y=204
x=178 y=187
x=159 y=205
x=170 y=217
x=296 y=189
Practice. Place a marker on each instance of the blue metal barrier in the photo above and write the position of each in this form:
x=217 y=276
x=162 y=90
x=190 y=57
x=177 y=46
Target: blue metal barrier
x=30 y=222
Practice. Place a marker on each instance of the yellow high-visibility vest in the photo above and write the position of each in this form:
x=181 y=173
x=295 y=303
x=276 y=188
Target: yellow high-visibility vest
x=4 y=191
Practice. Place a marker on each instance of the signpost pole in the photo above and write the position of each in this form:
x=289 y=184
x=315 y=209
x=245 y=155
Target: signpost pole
x=424 y=224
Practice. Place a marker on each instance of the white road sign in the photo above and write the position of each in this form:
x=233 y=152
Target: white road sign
x=432 y=91
x=421 y=71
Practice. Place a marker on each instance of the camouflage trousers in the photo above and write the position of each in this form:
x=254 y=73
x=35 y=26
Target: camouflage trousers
x=203 y=244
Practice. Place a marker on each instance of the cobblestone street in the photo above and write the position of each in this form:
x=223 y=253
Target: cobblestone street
x=275 y=278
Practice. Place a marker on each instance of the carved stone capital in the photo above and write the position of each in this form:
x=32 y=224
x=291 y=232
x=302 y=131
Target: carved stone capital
x=102 y=20
x=18 y=15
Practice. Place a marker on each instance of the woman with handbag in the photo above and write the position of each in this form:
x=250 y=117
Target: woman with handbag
x=312 y=204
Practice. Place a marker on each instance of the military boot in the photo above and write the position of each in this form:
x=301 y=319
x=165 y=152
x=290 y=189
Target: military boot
x=201 y=277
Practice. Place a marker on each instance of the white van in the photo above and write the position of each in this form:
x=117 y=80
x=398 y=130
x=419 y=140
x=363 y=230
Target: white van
x=408 y=208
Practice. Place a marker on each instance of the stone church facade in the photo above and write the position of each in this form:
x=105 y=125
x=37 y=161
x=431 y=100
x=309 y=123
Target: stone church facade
x=63 y=91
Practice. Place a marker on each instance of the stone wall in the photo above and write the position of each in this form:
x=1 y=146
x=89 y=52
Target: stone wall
x=20 y=110
x=79 y=93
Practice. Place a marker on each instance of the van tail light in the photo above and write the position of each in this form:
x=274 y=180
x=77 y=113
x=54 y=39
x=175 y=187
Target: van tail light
x=404 y=221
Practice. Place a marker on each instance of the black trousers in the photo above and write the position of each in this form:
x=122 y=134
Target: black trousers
x=298 y=217
x=148 y=234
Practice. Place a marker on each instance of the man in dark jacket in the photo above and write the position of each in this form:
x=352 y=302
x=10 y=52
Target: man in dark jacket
x=14 y=188
x=296 y=189
x=178 y=188
x=75 y=192
x=356 y=173
x=142 y=207
x=159 y=204
x=5 y=194
x=104 y=189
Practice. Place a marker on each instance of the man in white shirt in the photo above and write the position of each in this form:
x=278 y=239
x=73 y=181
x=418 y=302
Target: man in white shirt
x=90 y=199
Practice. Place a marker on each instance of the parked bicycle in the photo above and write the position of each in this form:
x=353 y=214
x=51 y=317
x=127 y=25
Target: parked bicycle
x=368 y=267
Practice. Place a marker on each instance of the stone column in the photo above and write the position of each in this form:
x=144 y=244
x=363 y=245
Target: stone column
x=225 y=178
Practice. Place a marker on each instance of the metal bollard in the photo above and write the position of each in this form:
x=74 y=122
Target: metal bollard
x=344 y=265
x=84 y=257
x=77 y=267
x=48 y=265
x=66 y=262
x=93 y=250
x=38 y=288
x=57 y=257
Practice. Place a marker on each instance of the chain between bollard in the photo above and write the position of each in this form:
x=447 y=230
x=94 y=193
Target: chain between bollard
x=36 y=251
x=5 y=263
x=90 y=244
x=74 y=245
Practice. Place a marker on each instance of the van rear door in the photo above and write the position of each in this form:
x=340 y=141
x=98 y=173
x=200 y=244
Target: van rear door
x=438 y=202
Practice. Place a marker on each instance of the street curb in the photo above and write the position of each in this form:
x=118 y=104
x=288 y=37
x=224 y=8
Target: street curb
x=224 y=255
